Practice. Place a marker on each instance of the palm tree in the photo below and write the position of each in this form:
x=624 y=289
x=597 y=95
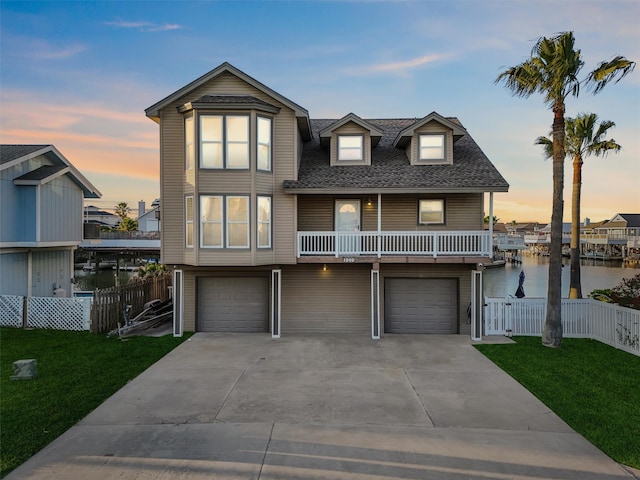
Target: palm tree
x=552 y=70
x=583 y=137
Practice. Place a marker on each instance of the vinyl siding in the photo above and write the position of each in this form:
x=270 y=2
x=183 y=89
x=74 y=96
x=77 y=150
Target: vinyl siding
x=175 y=184
x=461 y=272
x=399 y=212
x=17 y=208
x=13 y=274
x=334 y=301
x=172 y=180
x=51 y=267
x=189 y=279
x=60 y=211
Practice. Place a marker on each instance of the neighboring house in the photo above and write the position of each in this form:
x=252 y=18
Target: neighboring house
x=41 y=196
x=622 y=225
x=149 y=220
x=102 y=218
x=277 y=222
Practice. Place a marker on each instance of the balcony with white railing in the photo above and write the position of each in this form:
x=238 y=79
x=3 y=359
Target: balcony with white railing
x=379 y=244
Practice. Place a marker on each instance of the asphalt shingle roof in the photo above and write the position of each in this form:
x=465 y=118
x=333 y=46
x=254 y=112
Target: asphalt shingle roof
x=11 y=152
x=390 y=167
x=42 y=172
x=234 y=99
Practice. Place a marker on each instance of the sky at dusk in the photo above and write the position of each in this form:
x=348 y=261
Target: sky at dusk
x=80 y=74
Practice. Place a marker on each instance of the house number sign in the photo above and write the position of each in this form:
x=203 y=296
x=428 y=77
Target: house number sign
x=349 y=260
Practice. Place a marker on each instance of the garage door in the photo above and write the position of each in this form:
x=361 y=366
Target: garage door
x=233 y=304
x=420 y=305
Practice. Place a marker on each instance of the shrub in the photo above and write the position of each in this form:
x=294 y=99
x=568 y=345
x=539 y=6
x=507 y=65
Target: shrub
x=626 y=293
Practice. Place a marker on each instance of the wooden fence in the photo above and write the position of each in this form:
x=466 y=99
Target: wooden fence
x=109 y=303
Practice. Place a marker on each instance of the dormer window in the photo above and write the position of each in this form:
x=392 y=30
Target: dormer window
x=350 y=148
x=431 y=147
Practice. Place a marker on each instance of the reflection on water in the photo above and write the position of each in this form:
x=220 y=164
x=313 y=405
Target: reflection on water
x=596 y=274
x=101 y=279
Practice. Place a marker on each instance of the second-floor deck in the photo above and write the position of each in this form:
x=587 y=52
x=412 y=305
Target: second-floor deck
x=394 y=243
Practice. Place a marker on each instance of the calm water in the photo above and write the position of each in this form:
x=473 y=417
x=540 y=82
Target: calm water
x=596 y=274
x=498 y=282
x=102 y=279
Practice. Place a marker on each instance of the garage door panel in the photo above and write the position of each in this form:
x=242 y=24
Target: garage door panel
x=233 y=304
x=421 y=305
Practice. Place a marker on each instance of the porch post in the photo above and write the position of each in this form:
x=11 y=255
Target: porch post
x=491 y=225
x=379 y=224
x=477 y=303
x=276 y=297
x=178 y=302
x=375 y=302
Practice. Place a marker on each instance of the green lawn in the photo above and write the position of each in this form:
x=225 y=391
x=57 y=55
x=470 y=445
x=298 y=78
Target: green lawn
x=77 y=372
x=591 y=386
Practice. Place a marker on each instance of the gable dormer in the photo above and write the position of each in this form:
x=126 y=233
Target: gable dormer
x=350 y=140
x=430 y=140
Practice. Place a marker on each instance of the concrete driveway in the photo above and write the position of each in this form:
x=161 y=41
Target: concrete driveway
x=240 y=406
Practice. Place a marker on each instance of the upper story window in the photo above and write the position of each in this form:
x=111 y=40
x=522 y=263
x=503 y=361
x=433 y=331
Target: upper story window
x=188 y=216
x=431 y=212
x=264 y=222
x=264 y=143
x=350 y=148
x=224 y=141
x=224 y=221
x=190 y=143
x=431 y=147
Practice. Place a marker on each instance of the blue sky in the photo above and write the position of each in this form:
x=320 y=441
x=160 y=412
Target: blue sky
x=80 y=74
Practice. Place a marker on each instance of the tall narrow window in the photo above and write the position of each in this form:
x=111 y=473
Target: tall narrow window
x=264 y=222
x=211 y=141
x=188 y=217
x=431 y=211
x=190 y=143
x=237 y=131
x=211 y=221
x=237 y=222
x=431 y=147
x=264 y=143
x=350 y=147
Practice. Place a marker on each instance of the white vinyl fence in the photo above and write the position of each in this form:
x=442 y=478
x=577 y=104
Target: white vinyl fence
x=46 y=312
x=582 y=318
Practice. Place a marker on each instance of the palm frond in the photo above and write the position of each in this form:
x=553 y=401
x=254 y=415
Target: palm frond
x=614 y=70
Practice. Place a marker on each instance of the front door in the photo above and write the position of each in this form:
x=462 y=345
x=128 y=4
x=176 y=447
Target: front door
x=347 y=226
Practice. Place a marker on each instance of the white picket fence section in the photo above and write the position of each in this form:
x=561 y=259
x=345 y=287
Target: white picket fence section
x=46 y=312
x=582 y=318
x=11 y=307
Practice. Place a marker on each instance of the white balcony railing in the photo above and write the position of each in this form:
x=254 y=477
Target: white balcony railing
x=346 y=244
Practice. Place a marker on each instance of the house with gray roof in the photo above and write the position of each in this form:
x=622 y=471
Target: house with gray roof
x=41 y=197
x=277 y=222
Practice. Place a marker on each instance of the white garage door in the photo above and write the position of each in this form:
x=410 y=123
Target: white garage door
x=421 y=305
x=233 y=304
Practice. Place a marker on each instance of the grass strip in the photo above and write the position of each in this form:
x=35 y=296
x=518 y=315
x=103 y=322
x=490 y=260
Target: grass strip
x=593 y=387
x=77 y=371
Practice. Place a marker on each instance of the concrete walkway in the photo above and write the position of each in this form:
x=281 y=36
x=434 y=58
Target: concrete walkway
x=244 y=406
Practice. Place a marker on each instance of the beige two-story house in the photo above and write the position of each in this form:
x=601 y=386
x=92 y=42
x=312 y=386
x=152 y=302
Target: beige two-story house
x=274 y=222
